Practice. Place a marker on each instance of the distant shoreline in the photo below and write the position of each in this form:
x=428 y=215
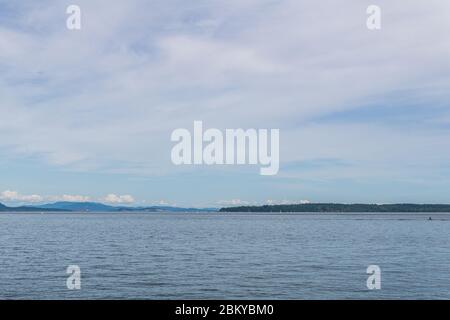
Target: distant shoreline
x=230 y=213
x=92 y=207
x=344 y=208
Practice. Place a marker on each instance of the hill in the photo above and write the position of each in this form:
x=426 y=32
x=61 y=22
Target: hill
x=4 y=208
x=99 y=207
x=78 y=206
x=338 y=207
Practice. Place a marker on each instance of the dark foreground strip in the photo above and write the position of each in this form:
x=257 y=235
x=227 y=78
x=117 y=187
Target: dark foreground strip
x=227 y=309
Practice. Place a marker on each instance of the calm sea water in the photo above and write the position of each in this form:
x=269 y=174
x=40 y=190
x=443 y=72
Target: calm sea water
x=224 y=256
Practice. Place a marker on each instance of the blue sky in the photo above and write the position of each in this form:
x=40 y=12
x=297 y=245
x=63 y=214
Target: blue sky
x=364 y=116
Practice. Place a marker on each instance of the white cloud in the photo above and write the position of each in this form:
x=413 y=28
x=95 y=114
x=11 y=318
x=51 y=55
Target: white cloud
x=116 y=199
x=239 y=202
x=14 y=196
x=163 y=203
x=272 y=64
x=280 y=202
x=233 y=202
x=75 y=198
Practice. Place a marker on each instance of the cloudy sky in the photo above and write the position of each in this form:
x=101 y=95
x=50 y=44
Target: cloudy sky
x=364 y=116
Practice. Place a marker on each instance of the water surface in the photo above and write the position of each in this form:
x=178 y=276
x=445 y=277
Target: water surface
x=224 y=256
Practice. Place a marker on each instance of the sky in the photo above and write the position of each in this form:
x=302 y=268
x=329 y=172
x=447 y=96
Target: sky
x=87 y=115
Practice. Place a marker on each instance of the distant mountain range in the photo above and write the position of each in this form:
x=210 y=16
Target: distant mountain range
x=4 y=208
x=97 y=207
